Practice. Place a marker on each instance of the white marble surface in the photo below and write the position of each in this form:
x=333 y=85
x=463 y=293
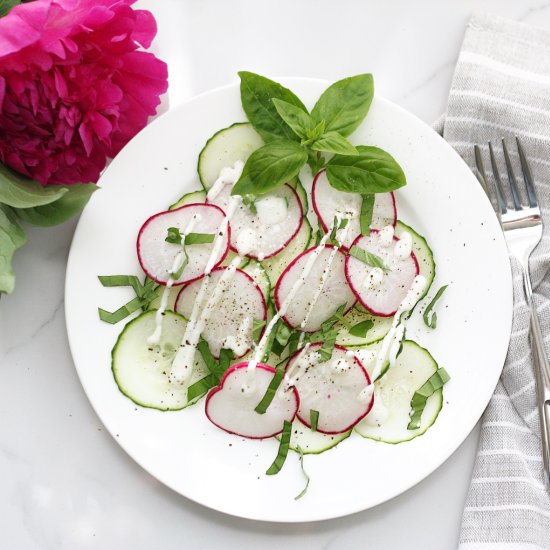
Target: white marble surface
x=64 y=482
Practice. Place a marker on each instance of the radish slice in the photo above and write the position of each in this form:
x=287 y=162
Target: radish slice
x=156 y=256
x=331 y=388
x=327 y=202
x=231 y=323
x=380 y=299
x=336 y=290
x=232 y=409
x=262 y=235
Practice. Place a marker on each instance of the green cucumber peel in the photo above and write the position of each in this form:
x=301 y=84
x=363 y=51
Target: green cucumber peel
x=306 y=476
x=282 y=453
x=430 y=318
x=418 y=402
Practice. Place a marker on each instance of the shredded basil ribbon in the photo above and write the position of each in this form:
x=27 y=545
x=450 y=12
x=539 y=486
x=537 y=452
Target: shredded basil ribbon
x=217 y=370
x=175 y=237
x=314 y=419
x=432 y=321
x=284 y=445
x=368 y=258
x=145 y=294
x=420 y=397
x=274 y=384
x=365 y=217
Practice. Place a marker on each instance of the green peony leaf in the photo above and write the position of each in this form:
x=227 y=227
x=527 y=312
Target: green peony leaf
x=12 y=237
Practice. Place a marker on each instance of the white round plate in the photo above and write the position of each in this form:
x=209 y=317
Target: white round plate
x=442 y=200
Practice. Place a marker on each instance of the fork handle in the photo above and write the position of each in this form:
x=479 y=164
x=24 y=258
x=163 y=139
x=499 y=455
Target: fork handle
x=542 y=377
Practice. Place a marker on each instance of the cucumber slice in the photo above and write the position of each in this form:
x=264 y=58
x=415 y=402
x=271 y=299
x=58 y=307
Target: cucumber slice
x=389 y=417
x=313 y=443
x=275 y=265
x=155 y=303
x=140 y=369
x=230 y=257
x=224 y=148
x=302 y=194
x=358 y=314
x=189 y=198
x=422 y=251
x=258 y=273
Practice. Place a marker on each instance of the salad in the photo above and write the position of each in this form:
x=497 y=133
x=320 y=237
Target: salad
x=277 y=294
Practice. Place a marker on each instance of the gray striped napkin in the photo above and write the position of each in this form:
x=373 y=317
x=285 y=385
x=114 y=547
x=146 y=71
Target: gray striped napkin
x=501 y=88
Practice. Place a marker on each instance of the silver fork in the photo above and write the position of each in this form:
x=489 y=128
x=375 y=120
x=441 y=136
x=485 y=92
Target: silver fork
x=522 y=227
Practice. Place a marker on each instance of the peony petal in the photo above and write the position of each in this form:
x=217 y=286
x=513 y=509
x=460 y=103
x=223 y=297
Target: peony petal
x=145 y=29
x=86 y=136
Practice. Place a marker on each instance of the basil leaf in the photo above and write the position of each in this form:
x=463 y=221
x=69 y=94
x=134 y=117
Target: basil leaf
x=360 y=329
x=420 y=397
x=316 y=161
x=368 y=258
x=72 y=201
x=304 y=490
x=284 y=445
x=315 y=133
x=201 y=387
x=298 y=119
x=257 y=93
x=12 y=237
x=173 y=236
x=269 y=167
x=314 y=419
x=431 y=321
x=372 y=171
x=274 y=384
x=21 y=192
x=365 y=217
x=345 y=104
x=333 y=142
x=199 y=238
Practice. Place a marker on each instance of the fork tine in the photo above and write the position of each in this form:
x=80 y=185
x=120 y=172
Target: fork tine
x=498 y=183
x=511 y=177
x=527 y=176
x=481 y=176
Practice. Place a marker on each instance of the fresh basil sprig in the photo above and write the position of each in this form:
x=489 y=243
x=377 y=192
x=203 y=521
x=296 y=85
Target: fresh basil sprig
x=293 y=136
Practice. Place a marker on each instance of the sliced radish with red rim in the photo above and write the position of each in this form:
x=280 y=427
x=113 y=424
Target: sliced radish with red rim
x=157 y=256
x=332 y=388
x=328 y=202
x=230 y=325
x=384 y=298
x=261 y=234
x=335 y=292
x=231 y=408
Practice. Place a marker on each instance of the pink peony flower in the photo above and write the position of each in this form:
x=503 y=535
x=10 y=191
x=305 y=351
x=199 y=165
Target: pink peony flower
x=74 y=85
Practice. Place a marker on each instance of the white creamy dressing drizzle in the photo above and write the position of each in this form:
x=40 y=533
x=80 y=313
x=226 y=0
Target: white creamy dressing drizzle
x=240 y=342
x=259 y=351
x=386 y=236
x=178 y=262
x=395 y=335
x=182 y=366
x=403 y=247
